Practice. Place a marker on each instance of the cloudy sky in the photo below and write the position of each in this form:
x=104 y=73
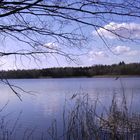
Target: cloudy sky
x=118 y=50
x=96 y=52
x=103 y=47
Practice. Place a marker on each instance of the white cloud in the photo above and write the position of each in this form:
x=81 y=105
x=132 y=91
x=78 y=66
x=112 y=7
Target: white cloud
x=126 y=30
x=124 y=50
x=50 y=45
x=97 y=54
x=133 y=53
x=121 y=49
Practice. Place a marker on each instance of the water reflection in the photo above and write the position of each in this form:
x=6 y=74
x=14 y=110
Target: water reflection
x=52 y=94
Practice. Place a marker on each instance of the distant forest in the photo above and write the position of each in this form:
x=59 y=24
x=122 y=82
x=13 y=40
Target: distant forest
x=97 y=70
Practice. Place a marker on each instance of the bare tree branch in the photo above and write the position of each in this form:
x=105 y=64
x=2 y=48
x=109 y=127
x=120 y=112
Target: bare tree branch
x=39 y=24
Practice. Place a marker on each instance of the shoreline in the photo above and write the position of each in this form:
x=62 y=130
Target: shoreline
x=116 y=76
x=97 y=76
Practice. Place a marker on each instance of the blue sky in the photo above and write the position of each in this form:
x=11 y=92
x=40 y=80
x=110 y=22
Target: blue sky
x=94 y=51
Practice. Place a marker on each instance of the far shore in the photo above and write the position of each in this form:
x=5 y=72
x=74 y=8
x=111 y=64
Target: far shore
x=115 y=76
x=97 y=71
x=97 y=76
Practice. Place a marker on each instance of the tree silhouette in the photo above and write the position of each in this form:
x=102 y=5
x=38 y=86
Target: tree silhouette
x=61 y=22
x=53 y=27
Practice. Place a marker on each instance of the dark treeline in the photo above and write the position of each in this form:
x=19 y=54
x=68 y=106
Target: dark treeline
x=97 y=70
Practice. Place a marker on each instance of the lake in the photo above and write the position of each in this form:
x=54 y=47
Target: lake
x=48 y=97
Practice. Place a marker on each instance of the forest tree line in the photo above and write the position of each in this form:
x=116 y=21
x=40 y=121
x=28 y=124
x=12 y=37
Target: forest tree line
x=97 y=70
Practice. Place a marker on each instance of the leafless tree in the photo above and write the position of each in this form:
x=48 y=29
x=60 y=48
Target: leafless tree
x=53 y=27
x=36 y=22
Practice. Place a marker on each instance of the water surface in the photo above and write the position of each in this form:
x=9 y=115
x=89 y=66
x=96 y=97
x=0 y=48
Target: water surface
x=36 y=112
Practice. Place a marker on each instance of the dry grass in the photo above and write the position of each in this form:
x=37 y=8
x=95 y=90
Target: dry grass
x=82 y=122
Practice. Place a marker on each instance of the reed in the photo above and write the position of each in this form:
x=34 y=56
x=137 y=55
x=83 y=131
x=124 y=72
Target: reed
x=84 y=122
x=116 y=123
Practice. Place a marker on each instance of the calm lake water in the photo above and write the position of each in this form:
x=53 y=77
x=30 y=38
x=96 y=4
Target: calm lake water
x=36 y=112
